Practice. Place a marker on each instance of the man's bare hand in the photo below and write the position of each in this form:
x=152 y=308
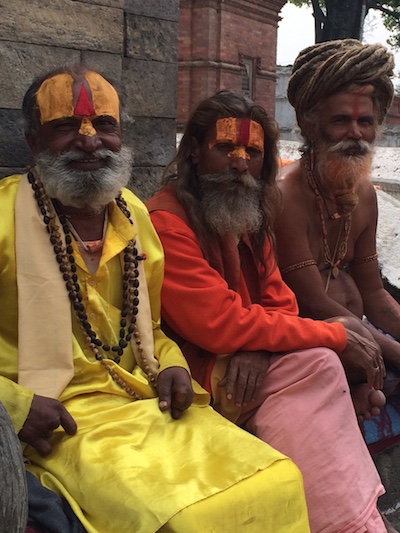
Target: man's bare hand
x=175 y=390
x=362 y=356
x=244 y=376
x=45 y=415
x=363 y=353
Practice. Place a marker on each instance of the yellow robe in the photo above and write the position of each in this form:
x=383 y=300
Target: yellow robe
x=131 y=468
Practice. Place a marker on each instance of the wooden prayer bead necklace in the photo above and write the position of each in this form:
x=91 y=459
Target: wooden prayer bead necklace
x=66 y=261
x=344 y=231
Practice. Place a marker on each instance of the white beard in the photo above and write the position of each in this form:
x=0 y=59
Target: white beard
x=76 y=188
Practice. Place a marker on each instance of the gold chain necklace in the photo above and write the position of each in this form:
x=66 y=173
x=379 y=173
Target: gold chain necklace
x=345 y=226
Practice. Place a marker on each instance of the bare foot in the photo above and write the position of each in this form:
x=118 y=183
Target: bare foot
x=367 y=402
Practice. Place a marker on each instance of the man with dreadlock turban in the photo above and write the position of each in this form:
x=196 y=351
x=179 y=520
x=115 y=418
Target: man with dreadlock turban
x=326 y=234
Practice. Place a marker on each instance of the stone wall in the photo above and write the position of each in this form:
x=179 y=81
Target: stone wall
x=132 y=42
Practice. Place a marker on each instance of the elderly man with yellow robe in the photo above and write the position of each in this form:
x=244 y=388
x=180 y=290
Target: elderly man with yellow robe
x=93 y=386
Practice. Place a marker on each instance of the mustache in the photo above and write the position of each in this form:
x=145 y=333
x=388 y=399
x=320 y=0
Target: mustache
x=351 y=147
x=226 y=178
x=102 y=154
x=77 y=187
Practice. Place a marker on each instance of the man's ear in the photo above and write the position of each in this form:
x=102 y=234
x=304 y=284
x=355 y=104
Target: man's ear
x=195 y=150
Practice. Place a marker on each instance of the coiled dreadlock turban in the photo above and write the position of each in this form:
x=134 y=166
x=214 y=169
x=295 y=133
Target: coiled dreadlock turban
x=327 y=68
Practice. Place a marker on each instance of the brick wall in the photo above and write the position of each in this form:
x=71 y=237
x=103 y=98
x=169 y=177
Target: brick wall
x=214 y=38
x=132 y=42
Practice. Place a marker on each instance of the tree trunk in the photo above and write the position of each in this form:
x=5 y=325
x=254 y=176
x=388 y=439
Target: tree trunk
x=13 y=491
x=344 y=19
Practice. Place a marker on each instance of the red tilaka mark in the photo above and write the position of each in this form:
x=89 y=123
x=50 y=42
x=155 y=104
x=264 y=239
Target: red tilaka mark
x=356 y=112
x=84 y=107
x=244 y=132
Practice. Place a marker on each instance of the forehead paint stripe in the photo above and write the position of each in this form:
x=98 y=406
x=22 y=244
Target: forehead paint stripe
x=59 y=96
x=83 y=105
x=256 y=136
x=105 y=97
x=54 y=98
x=226 y=129
x=241 y=132
x=244 y=131
x=356 y=112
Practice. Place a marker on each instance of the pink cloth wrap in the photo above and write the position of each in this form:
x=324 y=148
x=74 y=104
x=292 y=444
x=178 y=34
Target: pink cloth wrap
x=310 y=388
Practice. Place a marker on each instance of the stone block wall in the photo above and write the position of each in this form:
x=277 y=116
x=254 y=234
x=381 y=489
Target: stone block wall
x=133 y=43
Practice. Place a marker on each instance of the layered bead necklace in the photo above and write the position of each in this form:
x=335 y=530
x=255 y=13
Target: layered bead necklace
x=333 y=261
x=63 y=251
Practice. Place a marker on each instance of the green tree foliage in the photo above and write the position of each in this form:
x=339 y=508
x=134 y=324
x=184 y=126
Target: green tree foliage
x=340 y=19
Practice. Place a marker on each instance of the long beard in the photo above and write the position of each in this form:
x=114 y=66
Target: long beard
x=339 y=166
x=231 y=203
x=76 y=188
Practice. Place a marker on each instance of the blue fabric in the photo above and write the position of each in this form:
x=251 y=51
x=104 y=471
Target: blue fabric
x=387 y=424
x=49 y=511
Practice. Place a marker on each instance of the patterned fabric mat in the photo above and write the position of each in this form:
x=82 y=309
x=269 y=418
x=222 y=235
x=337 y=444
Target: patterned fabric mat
x=384 y=430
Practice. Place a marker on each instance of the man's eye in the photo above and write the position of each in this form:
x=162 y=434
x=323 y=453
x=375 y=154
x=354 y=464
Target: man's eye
x=105 y=123
x=366 y=121
x=253 y=152
x=65 y=125
x=224 y=147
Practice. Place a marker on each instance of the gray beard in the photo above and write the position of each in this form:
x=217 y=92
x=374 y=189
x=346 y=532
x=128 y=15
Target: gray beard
x=231 y=203
x=75 y=188
x=340 y=165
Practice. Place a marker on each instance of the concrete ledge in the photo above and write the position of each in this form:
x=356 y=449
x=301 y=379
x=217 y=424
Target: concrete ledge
x=388 y=465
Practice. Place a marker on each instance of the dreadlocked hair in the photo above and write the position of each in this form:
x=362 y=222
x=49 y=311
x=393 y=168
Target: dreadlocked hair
x=327 y=68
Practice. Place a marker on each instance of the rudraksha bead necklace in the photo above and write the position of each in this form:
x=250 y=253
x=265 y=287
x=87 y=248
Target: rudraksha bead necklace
x=130 y=286
x=333 y=260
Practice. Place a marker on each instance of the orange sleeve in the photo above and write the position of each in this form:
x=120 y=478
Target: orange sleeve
x=198 y=304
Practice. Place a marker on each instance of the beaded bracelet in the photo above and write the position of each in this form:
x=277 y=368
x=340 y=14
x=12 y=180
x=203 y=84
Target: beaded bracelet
x=298 y=266
x=366 y=259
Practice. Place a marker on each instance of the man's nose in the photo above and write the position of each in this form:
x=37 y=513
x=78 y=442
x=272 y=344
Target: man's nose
x=354 y=130
x=239 y=159
x=240 y=164
x=87 y=143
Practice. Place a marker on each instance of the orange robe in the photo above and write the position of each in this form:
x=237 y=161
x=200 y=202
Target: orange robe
x=238 y=312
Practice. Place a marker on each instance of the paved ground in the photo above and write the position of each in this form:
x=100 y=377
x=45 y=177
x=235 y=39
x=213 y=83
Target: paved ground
x=388 y=464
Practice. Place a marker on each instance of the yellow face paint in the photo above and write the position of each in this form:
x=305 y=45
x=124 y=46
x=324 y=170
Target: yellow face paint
x=240 y=152
x=89 y=96
x=242 y=133
x=87 y=127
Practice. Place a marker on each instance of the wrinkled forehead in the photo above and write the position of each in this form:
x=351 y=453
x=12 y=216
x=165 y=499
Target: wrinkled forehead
x=88 y=95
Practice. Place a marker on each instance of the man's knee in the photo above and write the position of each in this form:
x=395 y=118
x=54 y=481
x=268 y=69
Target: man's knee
x=320 y=362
